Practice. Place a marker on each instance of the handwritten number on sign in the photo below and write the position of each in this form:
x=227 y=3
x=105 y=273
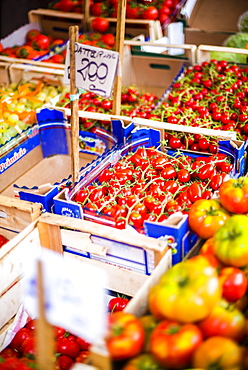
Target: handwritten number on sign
x=92 y=71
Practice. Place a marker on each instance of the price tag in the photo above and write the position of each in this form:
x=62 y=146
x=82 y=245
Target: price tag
x=74 y=295
x=96 y=68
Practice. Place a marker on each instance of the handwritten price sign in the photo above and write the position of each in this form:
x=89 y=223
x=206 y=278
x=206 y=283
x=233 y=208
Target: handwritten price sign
x=74 y=294
x=96 y=68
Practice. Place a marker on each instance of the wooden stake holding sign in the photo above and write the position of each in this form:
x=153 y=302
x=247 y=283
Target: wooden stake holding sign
x=73 y=32
x=120 y=35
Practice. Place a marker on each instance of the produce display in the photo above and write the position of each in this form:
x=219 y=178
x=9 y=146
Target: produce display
x=134 y=103
x=148 y=184
x=197 y=311
x=37 y=45
x=21 y=352
x=18 y=104
x=211 y=95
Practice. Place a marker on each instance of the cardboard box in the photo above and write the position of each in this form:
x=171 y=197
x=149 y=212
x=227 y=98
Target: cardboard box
x=210 y=22
x=50 y=171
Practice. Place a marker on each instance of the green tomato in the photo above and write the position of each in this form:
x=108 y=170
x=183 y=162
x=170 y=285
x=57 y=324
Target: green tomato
x=231 y=241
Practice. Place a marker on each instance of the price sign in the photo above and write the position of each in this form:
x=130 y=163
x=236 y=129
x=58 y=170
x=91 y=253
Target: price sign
x=96 y=68
x=74 y=295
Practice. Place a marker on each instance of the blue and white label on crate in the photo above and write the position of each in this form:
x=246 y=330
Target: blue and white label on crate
x=73 y=293
x=95 y=68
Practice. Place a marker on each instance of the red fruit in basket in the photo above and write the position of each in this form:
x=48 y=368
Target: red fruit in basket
x=68 y=347
x=64 y=362
x=133 y=11
x=20 y=337
x=3 y=240
x=150 y=13
x=98 y=9
x=31 y=34
x=109 y=39
x=100 y=24
x=41 y=42
x=117 y=304
x=65 y=5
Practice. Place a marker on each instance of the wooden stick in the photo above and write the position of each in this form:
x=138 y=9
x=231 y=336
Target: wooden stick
x=86 y=13
x=120 y=35
x=73 y=32
x=45 y=334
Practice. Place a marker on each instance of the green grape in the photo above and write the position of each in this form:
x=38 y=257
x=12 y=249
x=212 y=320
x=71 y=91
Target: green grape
x=12 y=131
x=3 y=127
x=13 y=118
x=22 y=125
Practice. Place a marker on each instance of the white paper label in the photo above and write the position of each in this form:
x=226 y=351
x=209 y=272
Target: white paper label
x=74 y=295
x=96 y=68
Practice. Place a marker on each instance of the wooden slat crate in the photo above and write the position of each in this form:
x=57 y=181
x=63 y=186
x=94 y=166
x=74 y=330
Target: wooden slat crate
x=15 y=216
x=54 y=232
x=57 y=23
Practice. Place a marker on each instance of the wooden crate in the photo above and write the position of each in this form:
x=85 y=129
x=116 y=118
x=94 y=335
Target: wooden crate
x=57 y=23
x=54 y=232
x=15 y=217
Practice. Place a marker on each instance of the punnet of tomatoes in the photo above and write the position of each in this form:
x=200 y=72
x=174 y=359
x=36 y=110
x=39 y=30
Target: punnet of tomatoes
x=21 y=353
x=147 y=184
x=212 y=95
x=36 y=46
x=163 y=10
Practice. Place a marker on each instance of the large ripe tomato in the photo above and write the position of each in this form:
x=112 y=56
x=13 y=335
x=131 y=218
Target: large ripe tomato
x=231 y=241
x=172 y=344
x=193 y=281
x=145 y=361
x=218 y=353
x=126 y=336
x=100 y=24
x=225 y=320
x=234 y=195
x=206 y=216
x=234 y=283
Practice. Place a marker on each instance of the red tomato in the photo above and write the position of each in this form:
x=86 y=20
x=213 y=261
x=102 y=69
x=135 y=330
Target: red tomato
x=151 y=12
x=64 y=362
x=3 y=240
x=19 y=338
x=117 y=304
x=68 y=347
x=31 y=34
x=100 y=24
x=173 y=344
x=225 y=320
x=28 y=346
x=234 y=283
x=84 y=345
x=234 y=195
x=83 y=356
x=109 y=39
x=41 y=42
x=126 y=336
